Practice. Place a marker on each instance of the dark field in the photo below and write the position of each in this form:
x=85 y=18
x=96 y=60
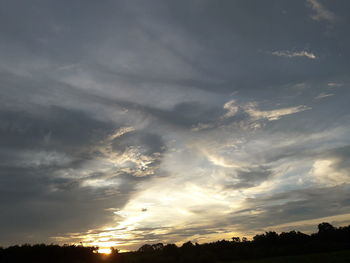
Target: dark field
x=333 y=257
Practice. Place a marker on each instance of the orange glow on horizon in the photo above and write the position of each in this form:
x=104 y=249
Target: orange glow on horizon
x=104 y=251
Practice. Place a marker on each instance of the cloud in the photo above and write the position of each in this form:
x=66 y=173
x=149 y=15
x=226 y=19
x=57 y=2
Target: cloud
x=136 y=152
x=203 y=223
x=272 y=115
x=250 y=177
x=325 y=172
x=251 y=108
x=291 y=207
x=333 y=168
x=44 y=205
x=293 y=54
x=38 y=158
x=335 y=84
x=50 y=154
x=321 y=13
x=202 y=132
x=323 y=95
x=55 y=128
x=231 y=107
x=246 y=116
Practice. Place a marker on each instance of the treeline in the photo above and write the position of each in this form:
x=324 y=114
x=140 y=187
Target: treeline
x=41 y=253
x=269 y=244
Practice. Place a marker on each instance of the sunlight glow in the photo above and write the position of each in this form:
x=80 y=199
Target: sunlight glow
x=104 y=250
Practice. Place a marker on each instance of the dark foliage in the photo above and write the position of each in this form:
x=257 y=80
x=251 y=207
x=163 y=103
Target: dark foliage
x=269 y=244
x=49 y=253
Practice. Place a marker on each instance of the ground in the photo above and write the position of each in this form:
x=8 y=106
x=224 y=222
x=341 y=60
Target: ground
x=333 y=257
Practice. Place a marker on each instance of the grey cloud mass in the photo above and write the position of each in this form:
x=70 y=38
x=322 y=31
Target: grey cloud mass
x=127 y=122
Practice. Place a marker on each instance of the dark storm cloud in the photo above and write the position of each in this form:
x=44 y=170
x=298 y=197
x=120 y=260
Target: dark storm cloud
x=251 y=177
x=233 y=37
x=37 y=145
x=187 y=114
x=36 y=205
x=52 y=128
x=342 y=153
x=247 y=38
x=292 y=206
x=183 y=115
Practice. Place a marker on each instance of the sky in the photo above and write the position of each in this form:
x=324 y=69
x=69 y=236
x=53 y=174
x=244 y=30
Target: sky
x=131 y=122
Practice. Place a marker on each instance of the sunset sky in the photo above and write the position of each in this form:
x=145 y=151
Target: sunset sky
x=126 y=122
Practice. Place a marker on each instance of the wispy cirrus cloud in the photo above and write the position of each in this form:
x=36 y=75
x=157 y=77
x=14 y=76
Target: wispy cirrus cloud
x=335 y=84
x=321 y=12
x=252 y=110
x=247 y=115
x=323 y=95
x=293 y=54
x=274 y=114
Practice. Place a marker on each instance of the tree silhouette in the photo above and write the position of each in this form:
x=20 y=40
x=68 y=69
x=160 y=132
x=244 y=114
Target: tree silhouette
x=325 y=228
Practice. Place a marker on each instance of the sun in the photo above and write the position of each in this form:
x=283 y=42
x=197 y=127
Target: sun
x=104 y=250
